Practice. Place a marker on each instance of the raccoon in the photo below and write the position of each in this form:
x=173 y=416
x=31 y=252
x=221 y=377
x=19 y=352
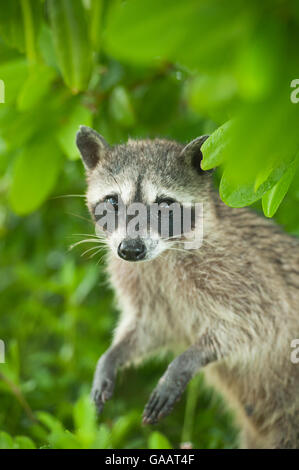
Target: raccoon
x=228 y=307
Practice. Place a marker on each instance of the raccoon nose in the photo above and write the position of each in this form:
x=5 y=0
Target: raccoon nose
x=132 y=250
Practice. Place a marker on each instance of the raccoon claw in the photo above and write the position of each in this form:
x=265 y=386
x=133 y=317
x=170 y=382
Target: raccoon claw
x=161 y=402
x=102 y=393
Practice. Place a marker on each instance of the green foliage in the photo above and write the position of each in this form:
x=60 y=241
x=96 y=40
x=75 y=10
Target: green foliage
x=243 y=69
x=219 y=63
x=70 y=37
x=138 y=68
x=272 y=199
x=19 y=442
x=38 y=162
x=87 y=433
x=157 y=441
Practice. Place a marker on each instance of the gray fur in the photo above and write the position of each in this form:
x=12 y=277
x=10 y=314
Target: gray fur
x=229 y=307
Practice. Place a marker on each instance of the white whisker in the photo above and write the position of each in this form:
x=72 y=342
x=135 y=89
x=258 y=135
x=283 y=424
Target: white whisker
x=80 y=217
x=91 y=240
x=93 y=248
x=68 y=195
x=93 y=235
x=94 y=254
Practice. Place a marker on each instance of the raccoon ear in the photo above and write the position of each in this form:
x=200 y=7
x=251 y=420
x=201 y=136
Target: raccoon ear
x=91 y=145
x=192 y=152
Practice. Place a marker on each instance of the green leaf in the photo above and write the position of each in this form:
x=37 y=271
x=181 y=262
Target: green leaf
x=52 y=423
x=120 y=107
x=17 y=129
x=95 y=27
x=66 y=134
x=166 y=90
x=103 y=438
x=11 y=24
x=23 y=442
x=6 y=441
x=213 y=148
x=46 y=46
x=157 y=440
x=131 y=31
x=122 y=427
x=35 y=172
x=58 y=438
x=71 y=43
x=241 y=194
x=85 y=420
x=35 y=87
x=258 y=61
x=273 y=198
x=207 y=93
x=14 y=74
x=262 y=176
x=194 y=33
x=262 y=143
x=19 y=24
x=28 y=9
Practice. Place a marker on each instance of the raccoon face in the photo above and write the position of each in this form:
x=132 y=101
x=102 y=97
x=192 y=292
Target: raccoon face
x=144 y=196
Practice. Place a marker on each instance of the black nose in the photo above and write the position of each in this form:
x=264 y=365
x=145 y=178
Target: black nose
x=132 y=249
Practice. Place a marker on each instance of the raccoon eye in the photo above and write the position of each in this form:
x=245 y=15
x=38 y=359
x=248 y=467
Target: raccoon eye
x=165 y=202
x=113 y=200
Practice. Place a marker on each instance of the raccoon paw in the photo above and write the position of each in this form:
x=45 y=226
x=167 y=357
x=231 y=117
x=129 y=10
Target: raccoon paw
x=103 y=384
x=101 y=393
x=162 y=400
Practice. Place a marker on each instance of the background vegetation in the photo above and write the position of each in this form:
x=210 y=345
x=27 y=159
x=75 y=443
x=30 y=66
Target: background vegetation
x=135 y=68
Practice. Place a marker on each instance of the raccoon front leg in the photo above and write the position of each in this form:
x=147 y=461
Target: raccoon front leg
x=106 y=370
x=212 y=346
x=128 y=346
x=176 y=378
